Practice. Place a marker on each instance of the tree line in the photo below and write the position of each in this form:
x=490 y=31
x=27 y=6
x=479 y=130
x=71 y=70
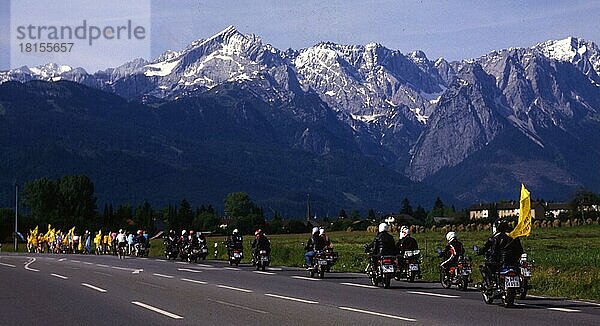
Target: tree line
x=70 y=201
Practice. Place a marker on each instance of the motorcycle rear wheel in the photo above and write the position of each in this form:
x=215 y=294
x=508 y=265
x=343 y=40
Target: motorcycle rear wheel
x=524 y=289
x=487 y=298
x=464 y=285
x=445 y=282
x=412 y=276
x=386 y=281
x=509 y=298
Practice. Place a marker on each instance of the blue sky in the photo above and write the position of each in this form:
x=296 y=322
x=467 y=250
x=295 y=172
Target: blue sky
x=446 y=29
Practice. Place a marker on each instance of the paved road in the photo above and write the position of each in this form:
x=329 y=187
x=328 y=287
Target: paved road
x=103 y=290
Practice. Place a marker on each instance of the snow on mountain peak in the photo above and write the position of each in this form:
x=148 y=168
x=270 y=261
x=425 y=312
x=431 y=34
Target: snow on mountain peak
x=563 y=50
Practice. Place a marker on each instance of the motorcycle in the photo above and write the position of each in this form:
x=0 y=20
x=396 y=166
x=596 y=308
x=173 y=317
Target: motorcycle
x=409 y=266
x=459 y=275
x=203 y=250
x=171 y=250
x=525 y=275
x=140 y=250
x=505 y=285
x=235 y=255
x=193 y=253
x=383 y=272
x=318 y=265
x=261 y=260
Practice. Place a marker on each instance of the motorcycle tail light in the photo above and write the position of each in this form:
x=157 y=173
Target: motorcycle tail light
x=525 y=265
x=387 y=261
x=511 y=273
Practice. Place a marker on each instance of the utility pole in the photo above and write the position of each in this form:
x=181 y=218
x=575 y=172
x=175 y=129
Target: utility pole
x=16 y=213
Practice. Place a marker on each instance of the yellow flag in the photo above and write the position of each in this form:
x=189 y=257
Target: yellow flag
x=523 y=228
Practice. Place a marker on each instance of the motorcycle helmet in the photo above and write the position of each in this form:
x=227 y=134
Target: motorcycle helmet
x=183 y=232
x=235 y=231
x=450 y=236
x=500 y=226
x=121 y=231
x=321 y=231
x=404 y=231
x=191 y=232
x=383 y=227
x=315 y=230
x=139 y=232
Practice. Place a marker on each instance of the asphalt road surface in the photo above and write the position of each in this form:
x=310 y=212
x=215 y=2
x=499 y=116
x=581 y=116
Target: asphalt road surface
x=103 y=290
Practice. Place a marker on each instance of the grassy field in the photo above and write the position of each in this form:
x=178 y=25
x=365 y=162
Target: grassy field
x=566 y=261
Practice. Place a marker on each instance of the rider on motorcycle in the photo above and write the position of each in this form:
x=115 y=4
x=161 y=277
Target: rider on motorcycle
x=314 y=243
x=260 y=242
x=325 y=237
x=140 y=240
x=383 y=244
x=121 y=239
x=406 y=242
x=453 y=250
x=234 y=241
x=500 y=250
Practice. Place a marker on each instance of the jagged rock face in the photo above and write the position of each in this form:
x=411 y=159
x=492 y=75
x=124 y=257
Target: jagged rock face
x=423 y=118
x=466 y=119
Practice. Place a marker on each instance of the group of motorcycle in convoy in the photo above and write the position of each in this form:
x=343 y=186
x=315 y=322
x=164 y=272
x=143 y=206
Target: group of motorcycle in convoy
x=506 y=271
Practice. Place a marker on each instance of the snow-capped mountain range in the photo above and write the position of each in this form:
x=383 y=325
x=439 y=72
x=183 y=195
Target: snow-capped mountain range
x=424 y=118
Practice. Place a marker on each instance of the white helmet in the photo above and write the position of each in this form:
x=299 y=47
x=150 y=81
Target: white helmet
x=383 y=227
x=321 y=231
x=450 y=236
x=404 y=231
x=235 y=231
x=315 y=230
x=120 y=231
x=182 y=232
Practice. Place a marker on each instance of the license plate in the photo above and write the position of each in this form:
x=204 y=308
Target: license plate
x=322 y=262
x=236 y=255
x=413 y=267
x=512 y=282
x=264 y=258
x=525 y=272
x=466 y=271
x=204 y=250
x=388 y=268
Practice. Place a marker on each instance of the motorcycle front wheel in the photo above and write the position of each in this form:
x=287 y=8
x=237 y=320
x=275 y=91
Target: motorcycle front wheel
x=464 y=284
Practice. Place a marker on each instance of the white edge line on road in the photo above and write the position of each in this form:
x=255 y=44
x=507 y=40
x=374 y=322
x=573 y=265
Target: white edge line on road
x=193 y=281
x=160 y=311
x=7 y=265
x=143 y=258
x=275 y=268
x=189 y=270
x=75 y=261
x=266 y=273
x=232 y=268
x=238 y=306
x=29 y=263
x=102 y=265
x=94 y=287
x=564 y=309
x=377 y=314
x=88 y=263
x=181 y=262
x=62 y=259
x=360 y=285
x=434 y=294
x=586 y=302
x=306 y=278
x=234 y=288
x=152 y=285
x=162 y=275
x=60 y=276
x=204 y=265
x=290 y=298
